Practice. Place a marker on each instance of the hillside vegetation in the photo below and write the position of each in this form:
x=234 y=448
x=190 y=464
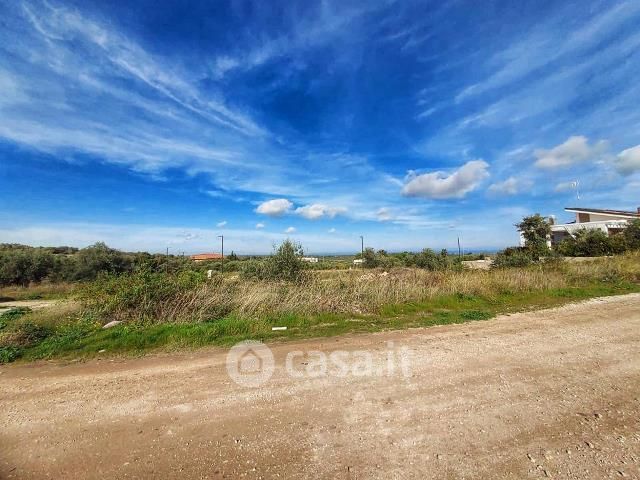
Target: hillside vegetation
x=180 y=307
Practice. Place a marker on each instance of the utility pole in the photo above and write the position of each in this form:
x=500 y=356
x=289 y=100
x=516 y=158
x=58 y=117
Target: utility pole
x=459 y=251
x=362 y=249
x=221 y=237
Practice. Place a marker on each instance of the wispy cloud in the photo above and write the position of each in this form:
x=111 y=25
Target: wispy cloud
x=510 y=186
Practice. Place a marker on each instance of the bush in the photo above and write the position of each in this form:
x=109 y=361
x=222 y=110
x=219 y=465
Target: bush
x=632 y=235
x=429 y=260
x=284 y=264
x=591 y=243
x=23 y=265
x=514 y=257
x=9 y=354
x=99 y=258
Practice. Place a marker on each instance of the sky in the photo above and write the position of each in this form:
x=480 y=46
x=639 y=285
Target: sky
x=152 y=125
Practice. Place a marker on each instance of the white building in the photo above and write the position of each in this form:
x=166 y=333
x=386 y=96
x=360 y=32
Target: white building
x=310 y=259
x=610 y=222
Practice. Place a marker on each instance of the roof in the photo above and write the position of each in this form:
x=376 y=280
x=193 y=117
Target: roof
x=206 y=256
x=617 y=213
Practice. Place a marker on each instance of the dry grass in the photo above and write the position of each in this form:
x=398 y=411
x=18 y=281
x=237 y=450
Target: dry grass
x=43 y=290
x=350 y=292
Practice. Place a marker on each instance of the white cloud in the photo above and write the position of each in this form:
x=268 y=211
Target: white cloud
x=439 y=185
x=508 y=187
x=318 y=210
x=575 y=150
x=221 y=224
x=275 y=208
x=384 y=214
x=331 y=230
x=186 y=237
x=290 y=230
x=259 y=225
x=628 y=161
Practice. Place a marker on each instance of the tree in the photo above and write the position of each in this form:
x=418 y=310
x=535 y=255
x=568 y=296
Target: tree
x=100 y=258
x=286 y=262
x=536 y=230
x=369 y=257
x=232 y=256
x=632 y=234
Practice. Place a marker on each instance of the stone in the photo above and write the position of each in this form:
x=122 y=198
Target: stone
x=112 y=324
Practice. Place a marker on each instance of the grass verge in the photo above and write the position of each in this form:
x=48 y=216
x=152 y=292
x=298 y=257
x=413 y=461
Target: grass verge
x=83 y=337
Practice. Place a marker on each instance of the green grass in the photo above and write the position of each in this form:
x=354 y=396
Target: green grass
x=84 y=338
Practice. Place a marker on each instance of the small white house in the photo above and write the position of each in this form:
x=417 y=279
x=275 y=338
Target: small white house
x=610 y=222
x=310 y=259
x=358 y=261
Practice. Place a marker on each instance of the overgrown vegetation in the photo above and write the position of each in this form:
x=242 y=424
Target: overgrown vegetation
x=167 y=300
x=22 y=265
x=284 y=264
x=592 y=243
x=583 y=243
x=184 y=308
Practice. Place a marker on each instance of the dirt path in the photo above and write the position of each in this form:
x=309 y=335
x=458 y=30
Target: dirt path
x=551 y=394
x=32 y=304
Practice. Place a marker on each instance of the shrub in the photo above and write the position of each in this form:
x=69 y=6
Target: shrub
x=284 y=264
x=9 y=354
x=513 y=257
x=99 y=258
x=632 y=235
x=23 y=265
x=256 y=269
x=429 y=260
x=591 y=243
x=370 y=258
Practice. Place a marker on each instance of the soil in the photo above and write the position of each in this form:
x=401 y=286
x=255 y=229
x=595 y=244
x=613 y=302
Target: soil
x=549 y=394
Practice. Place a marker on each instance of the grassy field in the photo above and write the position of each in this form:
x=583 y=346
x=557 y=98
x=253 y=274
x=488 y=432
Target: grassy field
x=187 y=311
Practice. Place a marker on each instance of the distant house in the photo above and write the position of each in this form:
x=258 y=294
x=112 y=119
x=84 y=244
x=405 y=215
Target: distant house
x=310 y=259
x=610 y=222
x=358 y=261
x=205 y=257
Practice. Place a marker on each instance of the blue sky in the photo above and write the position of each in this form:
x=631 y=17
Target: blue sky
x=164 y=124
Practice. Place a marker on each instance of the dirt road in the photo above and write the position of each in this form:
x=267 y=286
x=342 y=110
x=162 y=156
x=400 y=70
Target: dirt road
x=551 y=394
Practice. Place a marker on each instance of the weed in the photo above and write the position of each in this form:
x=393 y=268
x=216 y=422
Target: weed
x=14 y=313
x=475 y=315
x=9 y=354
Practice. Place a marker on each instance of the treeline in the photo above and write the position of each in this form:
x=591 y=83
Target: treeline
x=426 y=259
x=23 y=265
